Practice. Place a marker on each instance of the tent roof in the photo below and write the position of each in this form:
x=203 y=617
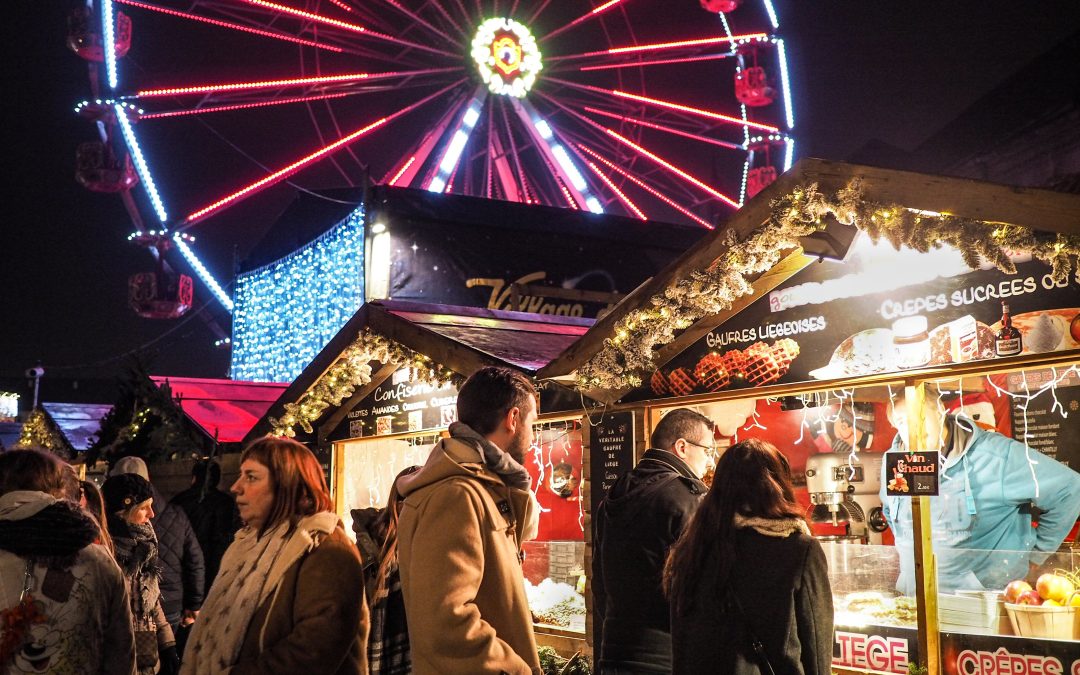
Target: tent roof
x=225 y=409
x=78 y=422
x=462 y=339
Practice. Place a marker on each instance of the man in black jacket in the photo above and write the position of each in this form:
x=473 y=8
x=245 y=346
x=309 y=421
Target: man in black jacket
x=181 y=557
x=637 y=522
x=212 y=513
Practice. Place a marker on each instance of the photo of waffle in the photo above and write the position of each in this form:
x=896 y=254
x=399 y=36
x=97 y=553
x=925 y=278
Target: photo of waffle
x=757 y=365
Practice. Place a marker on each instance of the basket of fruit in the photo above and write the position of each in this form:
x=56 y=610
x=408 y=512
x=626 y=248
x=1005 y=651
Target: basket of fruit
x=1050 y=610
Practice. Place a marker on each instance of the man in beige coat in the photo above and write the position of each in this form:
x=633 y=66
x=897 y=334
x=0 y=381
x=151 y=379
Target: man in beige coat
x=462 y=521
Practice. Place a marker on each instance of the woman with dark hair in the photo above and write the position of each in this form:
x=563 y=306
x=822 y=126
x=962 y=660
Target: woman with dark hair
x=93 y=503
x=289 y=596
x=63 y=603
x=729 y=612
x=128 y=510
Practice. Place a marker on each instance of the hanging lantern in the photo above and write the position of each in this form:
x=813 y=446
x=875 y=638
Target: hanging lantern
x=98 y=169
x=720 y=5
x=85 y=37
x=752 y=87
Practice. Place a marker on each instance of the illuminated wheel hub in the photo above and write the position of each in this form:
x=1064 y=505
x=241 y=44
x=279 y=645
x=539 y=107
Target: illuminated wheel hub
x=506 y=57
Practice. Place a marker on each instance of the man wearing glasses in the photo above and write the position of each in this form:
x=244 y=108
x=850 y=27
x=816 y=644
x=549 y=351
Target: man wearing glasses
x=637 y=522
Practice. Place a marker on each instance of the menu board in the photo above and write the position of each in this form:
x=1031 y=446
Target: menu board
x=611 y=453
x=882 y=311
x=1050 y=421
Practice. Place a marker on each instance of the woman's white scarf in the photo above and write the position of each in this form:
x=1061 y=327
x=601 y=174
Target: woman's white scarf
x=772 y=527
x=251 y=571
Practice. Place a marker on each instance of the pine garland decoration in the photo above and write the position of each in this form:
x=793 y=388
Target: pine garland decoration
x=626 y=356
x=351 y=371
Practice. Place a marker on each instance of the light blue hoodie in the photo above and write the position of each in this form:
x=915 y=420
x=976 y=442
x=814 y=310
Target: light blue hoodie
x=981 y=519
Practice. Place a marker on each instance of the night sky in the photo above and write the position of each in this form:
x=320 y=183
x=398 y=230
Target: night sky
x=861 y=70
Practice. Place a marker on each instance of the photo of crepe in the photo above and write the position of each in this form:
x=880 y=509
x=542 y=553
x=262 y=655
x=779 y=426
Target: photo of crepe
x=866 y=352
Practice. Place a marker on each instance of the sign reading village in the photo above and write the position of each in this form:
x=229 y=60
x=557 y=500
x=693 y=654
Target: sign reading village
x=400 y=405
x=882 y=311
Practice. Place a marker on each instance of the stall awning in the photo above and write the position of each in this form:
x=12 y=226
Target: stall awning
x=78 y=422
x=462 y=339
x=223 y=409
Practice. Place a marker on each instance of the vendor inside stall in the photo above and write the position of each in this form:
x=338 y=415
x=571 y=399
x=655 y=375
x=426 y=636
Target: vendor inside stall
x=991 y=489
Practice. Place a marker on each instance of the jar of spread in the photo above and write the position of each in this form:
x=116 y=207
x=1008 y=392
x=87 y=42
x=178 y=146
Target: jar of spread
x=911 y=341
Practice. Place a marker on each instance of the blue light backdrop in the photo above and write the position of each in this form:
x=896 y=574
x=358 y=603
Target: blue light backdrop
x=288 y=310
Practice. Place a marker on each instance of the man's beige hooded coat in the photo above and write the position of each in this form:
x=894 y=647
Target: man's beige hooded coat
x=459 y=541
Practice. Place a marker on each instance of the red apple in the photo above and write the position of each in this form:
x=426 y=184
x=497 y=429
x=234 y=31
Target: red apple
x=1014 y=589
x=1054 y=587
x=1029 y=598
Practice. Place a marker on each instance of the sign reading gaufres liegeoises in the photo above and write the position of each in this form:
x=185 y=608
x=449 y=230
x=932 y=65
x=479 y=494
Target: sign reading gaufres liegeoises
x=882 y=311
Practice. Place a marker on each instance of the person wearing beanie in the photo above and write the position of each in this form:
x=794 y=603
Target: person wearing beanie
x=183 y=567
x=63 y=602
x=128 y=510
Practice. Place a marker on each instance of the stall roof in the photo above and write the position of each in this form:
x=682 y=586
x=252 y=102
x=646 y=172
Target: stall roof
x=78 y=422
x=223 y=409
x=462 y=339
x=1037 y=209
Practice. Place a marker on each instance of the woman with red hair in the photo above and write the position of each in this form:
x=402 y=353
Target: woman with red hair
x=289 y=597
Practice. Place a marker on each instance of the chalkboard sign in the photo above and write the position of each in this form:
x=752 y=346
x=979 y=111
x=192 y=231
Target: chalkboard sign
x=611 y=453
x=1051 y=419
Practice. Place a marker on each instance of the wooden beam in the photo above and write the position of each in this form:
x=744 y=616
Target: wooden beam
x=378 y=377
x=1044 y=210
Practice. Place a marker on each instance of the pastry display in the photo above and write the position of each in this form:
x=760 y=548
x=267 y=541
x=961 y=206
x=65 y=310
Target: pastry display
x=761 y=366
x=711 y=372
x=865 y=352
x=681 y=382
x=872 y=607
x=659 y=383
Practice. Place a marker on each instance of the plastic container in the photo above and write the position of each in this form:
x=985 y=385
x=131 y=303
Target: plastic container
x=1054 y=623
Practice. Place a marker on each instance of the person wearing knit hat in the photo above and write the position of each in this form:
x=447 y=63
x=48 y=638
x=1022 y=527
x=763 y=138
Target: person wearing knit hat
x=183 y=575
x=124 y=492
x=129 y=508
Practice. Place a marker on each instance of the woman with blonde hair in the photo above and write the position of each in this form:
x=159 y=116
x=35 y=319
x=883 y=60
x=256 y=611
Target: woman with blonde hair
x=289 y=596
x=729 y=612
x=93 y=503
x=128 y=510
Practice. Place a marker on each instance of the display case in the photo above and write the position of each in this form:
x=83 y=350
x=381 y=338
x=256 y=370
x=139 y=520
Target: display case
x=555 y=585
x=875 y=625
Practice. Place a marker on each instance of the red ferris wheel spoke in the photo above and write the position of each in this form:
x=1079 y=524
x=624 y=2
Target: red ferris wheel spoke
x=234 y=87
x=344 y=25
x=581 y=19
x=449 y=19
x=618 y=193
x=656 y=62
x=343 y=6
x=289 y=170
x=644 y=186
x=672 y=168
x=660 y=46
x=660 y=127
x=670 y=105
x=422 y=21
x=643 y=152
x=238 y=106
x=537 y=12
x=229 y=24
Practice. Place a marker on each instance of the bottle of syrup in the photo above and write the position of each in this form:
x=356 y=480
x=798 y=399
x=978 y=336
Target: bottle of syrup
x=1008 y=341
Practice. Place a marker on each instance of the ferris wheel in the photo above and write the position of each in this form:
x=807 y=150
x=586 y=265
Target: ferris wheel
x=668 y=110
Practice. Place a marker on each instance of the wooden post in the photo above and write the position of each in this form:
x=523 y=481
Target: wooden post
x=926 y=592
